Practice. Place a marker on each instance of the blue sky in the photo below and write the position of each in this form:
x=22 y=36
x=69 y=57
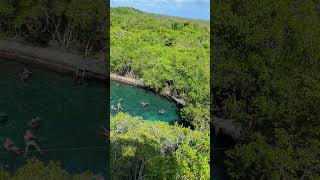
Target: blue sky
x=196 y=9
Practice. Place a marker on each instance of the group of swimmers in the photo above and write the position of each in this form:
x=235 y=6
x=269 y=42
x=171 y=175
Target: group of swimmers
x=143 y=104
x=29 y=139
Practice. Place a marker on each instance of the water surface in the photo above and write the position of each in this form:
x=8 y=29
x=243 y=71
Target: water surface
x=72 y=115
x=132 y=98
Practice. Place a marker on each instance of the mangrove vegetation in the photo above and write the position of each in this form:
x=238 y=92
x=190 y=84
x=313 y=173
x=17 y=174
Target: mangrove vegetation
x=266 y=76
x=171 y=56
x=74 y=25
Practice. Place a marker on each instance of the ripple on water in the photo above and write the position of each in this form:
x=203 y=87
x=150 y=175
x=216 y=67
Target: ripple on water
x=133 y=97
x=71 y=116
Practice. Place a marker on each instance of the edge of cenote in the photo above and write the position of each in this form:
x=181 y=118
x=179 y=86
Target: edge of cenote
x=65 y=62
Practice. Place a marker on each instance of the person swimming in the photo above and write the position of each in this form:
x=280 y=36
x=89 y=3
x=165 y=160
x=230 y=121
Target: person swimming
x=10 y=147
x=26 y=70
x=35 y=121
x=144 y=104
x=25 y=74
x=3 y=117
x=113 y=108
x=162 y=111
x=29 y=140
x=120 y=105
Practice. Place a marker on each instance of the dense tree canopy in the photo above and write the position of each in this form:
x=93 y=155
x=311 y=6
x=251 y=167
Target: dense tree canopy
x=37 y=170
x=169 y=54
x=267 y=77
x=72 y=24
x=157 y=150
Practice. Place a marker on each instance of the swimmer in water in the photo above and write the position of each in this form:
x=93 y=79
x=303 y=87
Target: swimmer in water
x=35 y=121
x=26 y=71
x=3 y=117
x=144 y=104
x=98 y=177
x=162 y=111
x=25 y=74
x=10 y=147
x=113 y=108
x=120 y=105
x=29 y=140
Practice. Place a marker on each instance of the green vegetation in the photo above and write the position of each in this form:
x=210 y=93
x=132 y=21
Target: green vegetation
x=37 y=170
x=169 y=54
x=267 y=77
x=157 y=150
x=76 y=25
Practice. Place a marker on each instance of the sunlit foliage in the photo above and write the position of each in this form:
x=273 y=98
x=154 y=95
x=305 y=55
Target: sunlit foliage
x=169 y=54
x=157 y=150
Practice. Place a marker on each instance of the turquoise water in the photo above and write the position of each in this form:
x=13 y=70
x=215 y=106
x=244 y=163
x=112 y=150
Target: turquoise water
x=132 y=98
x=72 y=115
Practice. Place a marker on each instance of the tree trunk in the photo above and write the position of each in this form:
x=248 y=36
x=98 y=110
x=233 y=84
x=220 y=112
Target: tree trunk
x=69 y=38
x=87 y=47
x=140 y=175
x=66 y=34
x=57 y=31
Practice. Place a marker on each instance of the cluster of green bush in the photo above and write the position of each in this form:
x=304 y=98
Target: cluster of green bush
x=37 y=170
x=157 y=150
x=266 y=63
x=72 y=24
x=169 y=54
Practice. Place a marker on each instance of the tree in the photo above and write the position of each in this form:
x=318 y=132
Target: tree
x=157 y=150
x=169 y=54
x=38 y=170
x=267 y=78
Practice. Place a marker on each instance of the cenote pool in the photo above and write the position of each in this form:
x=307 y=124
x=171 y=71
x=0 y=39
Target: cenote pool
x=132 y=98
x=72 y=116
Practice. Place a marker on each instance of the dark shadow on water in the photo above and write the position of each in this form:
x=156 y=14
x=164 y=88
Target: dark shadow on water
x=221 y=143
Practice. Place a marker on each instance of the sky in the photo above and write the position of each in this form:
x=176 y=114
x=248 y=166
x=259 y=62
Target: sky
x=195 y=9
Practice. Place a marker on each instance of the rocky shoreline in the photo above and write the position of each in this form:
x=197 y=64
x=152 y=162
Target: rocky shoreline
x=59 y=60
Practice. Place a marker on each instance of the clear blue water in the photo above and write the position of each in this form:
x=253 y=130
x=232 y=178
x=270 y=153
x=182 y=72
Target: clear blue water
x=132 y=98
